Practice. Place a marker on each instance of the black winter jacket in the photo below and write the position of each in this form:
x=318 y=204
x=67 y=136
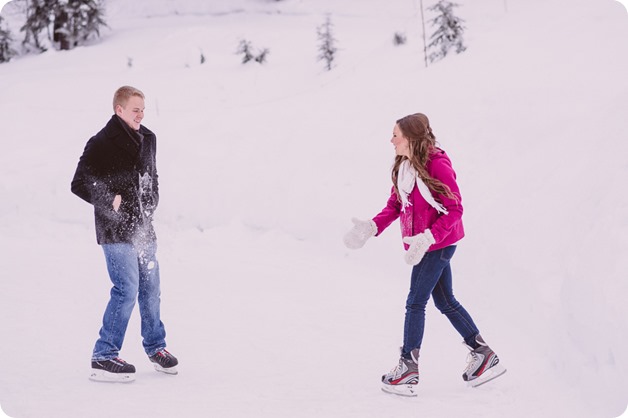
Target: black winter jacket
x=120 y=161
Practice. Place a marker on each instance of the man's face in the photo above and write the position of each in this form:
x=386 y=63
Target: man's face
x=133 y=112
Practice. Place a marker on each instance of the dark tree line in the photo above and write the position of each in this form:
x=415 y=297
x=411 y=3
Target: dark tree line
x=6 y=52
x=65 y=24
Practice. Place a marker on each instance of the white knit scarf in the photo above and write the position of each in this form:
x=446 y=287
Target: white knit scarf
x=406 y=180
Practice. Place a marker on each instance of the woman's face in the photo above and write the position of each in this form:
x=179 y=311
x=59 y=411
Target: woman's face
x=400 y=142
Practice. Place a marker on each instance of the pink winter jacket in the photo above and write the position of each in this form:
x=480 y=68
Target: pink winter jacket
x=446 y=229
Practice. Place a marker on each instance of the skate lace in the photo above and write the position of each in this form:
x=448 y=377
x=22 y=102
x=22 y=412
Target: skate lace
x=472 y=359
x=397 y=370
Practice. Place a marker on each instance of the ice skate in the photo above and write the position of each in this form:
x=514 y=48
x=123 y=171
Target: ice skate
x=114 y=370
x=164 y=362
x=483 y=365
x=403 y=379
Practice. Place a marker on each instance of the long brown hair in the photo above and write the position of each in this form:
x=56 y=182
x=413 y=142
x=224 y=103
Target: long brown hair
x=422 y=142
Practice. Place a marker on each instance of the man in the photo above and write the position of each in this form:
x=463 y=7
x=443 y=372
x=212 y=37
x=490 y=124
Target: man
x=117 y=174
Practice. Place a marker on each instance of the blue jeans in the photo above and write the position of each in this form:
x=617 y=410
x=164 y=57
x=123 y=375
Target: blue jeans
x=432 y=276
x=134 y=273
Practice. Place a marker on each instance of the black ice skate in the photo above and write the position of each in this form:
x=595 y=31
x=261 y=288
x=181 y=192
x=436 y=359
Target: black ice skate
x=164 y=362
x=113 y=370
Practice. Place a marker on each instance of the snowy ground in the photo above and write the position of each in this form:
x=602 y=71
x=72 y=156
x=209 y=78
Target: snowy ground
x=261 y=169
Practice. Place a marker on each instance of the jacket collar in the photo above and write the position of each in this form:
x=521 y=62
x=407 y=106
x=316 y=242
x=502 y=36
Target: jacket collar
x=126 y=139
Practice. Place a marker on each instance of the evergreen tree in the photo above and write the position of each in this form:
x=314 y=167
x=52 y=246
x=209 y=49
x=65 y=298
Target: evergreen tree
x=39 y=15
x=76 y=21
x=449 y=30
x=72 y=22
x=327 y=46
x=6 y=52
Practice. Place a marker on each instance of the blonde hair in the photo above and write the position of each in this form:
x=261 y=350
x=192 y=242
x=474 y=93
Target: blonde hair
x=123 y=94
x=422 y=143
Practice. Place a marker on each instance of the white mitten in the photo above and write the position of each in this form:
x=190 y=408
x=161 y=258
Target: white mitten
x=360 y=233
x=419 y=244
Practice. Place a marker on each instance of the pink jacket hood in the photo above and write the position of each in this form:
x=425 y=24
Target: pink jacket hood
x=447 y=228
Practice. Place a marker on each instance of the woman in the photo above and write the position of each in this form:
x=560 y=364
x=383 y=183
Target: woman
x=427 y=200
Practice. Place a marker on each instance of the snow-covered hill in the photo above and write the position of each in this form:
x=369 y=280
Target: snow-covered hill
x=262 y=167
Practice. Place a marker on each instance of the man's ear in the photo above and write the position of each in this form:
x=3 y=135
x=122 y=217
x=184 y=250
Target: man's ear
x=118 y=109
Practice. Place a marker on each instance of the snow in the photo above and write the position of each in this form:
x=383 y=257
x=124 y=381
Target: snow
x=261 y=169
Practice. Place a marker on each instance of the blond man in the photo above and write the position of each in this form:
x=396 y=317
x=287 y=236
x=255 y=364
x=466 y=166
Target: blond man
x=117 y=174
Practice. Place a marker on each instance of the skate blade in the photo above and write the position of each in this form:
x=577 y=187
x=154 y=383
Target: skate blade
x=108 y=377
x=169 y=370
x=400 y=390
x=491 y=374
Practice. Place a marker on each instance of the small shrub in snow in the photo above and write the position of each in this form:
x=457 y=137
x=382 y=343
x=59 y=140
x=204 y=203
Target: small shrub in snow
x=399 y=38
x=327 y=47
x=246 y=50
x=261 y=57
x=449 y=30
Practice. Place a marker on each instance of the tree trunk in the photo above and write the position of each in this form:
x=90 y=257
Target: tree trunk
x=424 y=42
x=60 y=30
